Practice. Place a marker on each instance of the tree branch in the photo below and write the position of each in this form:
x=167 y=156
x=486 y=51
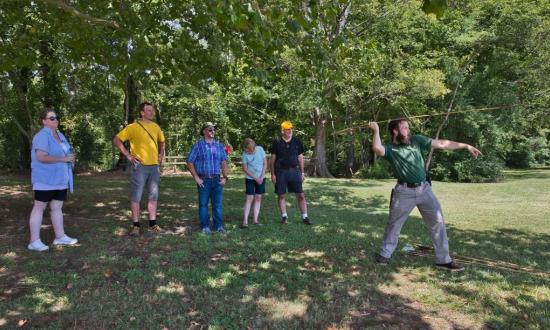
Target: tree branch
x=429 y=160
x=22 y=130
x=60 y=4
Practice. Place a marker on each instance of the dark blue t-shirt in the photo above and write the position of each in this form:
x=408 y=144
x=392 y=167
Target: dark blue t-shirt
x=287 y=153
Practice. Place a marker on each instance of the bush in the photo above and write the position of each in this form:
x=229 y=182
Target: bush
x=378 y=170
x=440 y=172
x=484 y=169
x=533 y=151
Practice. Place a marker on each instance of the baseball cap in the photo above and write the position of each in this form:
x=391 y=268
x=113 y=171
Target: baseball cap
x=207 y=125
x=286 y=125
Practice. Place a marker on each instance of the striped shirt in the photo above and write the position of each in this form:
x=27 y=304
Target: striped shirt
x=207 y=157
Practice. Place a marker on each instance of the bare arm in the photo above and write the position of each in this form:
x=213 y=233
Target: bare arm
x=272 y=166
x=193 y=172
x=162 y=152
x=118 y=143
x=225 y=170
x=249 y=173
x=377 y=146
x=452 y=145
x=43 y=156
x=301 y=164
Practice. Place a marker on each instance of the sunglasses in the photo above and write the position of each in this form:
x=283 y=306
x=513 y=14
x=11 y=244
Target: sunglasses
x=52 y=118
x=211 y=130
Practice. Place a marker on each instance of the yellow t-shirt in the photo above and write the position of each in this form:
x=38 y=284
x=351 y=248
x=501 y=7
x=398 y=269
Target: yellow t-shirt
x=141 y=144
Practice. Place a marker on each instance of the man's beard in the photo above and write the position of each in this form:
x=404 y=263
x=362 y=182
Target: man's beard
x=403 y=139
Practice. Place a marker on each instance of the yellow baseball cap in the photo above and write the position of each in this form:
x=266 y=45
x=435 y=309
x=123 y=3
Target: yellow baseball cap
x=286 y=125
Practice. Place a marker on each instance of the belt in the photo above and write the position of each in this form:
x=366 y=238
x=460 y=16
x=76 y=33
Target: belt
x=209 y=176
x=287 y=168
x=411 y=185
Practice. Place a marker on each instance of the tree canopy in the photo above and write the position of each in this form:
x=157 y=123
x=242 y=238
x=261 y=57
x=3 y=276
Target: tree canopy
x=325 y=65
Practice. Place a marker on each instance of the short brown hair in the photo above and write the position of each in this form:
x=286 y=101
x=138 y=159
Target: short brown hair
x=248 y=142
x=142 y=106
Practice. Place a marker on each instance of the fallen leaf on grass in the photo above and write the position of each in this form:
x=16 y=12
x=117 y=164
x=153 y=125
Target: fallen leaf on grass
x=216 y=257
x=22 y=323
x=132 y=318
x=192 y=312
x=69 y=286
x=108 y=273
x=86 y=266
x=121 y=232
x=359 y=313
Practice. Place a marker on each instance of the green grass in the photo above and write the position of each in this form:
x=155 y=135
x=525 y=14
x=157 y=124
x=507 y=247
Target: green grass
x=279 y=277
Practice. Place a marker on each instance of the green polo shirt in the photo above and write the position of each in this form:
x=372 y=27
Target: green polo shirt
x=407 y=161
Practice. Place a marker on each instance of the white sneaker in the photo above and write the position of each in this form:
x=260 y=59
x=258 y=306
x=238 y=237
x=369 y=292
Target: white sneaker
x=65 y=240
x=37 y=246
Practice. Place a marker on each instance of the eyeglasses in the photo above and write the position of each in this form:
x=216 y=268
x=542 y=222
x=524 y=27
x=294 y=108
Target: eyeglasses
x=52 y=118
x=211 y=130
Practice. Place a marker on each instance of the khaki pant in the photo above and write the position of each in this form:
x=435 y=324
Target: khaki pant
x=404 y=200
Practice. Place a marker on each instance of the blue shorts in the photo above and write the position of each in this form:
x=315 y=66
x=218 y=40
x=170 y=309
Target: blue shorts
x=253 y=188
x=290 y=179
x=145 y=175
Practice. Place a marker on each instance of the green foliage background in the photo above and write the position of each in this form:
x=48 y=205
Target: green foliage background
x=249 y=65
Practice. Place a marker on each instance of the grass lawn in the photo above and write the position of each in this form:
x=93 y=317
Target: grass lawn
x=279 y=277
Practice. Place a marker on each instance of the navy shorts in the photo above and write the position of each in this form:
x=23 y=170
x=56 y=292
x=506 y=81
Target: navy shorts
x=48 y=195
x=290 y=180
x=253 y=188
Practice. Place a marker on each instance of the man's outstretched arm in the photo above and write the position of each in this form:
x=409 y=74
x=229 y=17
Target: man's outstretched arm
x=452 y=145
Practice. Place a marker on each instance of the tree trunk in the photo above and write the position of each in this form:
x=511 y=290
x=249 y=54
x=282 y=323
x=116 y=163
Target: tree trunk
x=350 y=147
x=320 y=167
x=131 y=99
x=51 y=86
x=22 y=117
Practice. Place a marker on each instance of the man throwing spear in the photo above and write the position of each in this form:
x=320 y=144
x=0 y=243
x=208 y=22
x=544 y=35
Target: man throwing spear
x=405 y=154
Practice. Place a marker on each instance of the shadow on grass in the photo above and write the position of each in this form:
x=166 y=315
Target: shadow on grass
x=273 y=276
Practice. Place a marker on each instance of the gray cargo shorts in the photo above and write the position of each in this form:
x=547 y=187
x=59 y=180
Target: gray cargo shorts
x=145 y=175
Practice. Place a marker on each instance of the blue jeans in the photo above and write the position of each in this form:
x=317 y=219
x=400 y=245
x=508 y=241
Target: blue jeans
x=211 y=190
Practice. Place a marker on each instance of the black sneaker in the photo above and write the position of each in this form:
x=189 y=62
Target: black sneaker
x=284 y=220
x=451 y=266
x=307 y=221
x=381 y=260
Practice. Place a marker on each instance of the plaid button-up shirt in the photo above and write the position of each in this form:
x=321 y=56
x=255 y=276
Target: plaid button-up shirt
x=207 y=157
